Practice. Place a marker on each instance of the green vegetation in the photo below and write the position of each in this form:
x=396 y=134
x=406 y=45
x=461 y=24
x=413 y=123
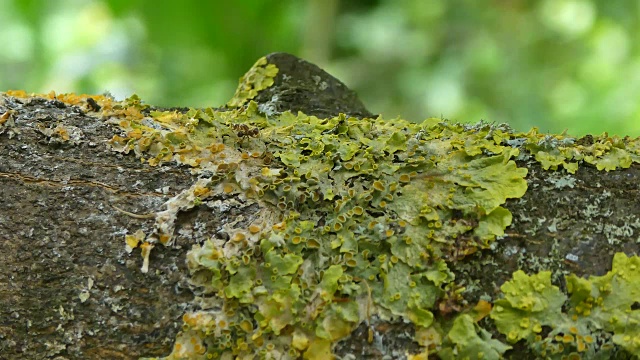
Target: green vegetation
x=365 y=218
x=554 y=64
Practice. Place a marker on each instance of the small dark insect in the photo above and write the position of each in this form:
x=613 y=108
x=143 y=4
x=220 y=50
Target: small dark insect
x=244 y=131
x=93 y=105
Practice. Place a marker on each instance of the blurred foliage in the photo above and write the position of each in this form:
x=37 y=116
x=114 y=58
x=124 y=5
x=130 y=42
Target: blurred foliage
x=555 y=64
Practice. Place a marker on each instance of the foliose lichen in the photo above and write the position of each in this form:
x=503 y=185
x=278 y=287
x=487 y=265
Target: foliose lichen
x=258 y=78
x=363 y=218
x=599 y=313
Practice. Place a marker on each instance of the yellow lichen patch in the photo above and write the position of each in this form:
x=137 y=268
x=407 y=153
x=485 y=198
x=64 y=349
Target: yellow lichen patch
x=201 y=191
x=132 y=241
x=254 y=228
x=258 y=78
x=228 y=188
x=238 y=237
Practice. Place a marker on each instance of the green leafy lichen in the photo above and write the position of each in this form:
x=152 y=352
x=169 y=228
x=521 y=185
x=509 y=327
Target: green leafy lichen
x=369 y=214
x=600 y=311
x=363 y=218
x=604 y=152
x=471 y=342
x=258 y=78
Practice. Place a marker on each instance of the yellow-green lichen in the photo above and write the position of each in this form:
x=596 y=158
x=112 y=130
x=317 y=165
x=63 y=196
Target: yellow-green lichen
x=362 y=218
x=469 y=341
x=604 y=152
x=368 y=214
x=258 y=78
x=599 y=312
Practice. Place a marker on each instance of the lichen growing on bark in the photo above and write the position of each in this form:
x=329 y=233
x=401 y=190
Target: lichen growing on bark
x=363 y=218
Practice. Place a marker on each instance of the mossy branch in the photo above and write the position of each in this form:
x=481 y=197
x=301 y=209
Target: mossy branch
x=310 y=228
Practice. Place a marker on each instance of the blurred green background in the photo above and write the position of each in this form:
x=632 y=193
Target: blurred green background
x=555 y=64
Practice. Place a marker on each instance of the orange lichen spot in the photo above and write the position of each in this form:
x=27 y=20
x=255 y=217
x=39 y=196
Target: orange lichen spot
x=135 y=134
x=228 y=188
x=246 y=326
x=567 y=338
x=244 y=156
x=358 y=210
x=588 y=339
x=213 y=148
x=279 y=226
x=201 y=191
x=238 y=237
x=254 y=229
x=378 y=185
x=17 y=93
x=164 y=239
x=132 y=241
x=389 y=232
x=313 y=243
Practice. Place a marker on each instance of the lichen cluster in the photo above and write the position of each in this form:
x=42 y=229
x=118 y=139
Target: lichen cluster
x=362 y=219
x=600 y=312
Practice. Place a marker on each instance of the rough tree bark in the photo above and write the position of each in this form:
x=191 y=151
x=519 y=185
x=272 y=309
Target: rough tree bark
x=69 y=290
